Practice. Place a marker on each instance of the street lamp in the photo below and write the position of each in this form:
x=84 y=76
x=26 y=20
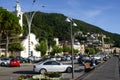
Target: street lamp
x=71 y=25
x=29 y=18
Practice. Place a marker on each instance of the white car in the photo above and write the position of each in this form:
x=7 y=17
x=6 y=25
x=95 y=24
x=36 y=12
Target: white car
x=51 y=66
x=33 y=58
x=4 y=61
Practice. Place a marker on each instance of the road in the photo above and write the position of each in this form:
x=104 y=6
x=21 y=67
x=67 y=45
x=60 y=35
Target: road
x=7 y=73
x=108 y=70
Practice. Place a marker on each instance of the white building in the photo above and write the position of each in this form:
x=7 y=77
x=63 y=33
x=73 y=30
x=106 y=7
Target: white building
x=33 y=42
x=79 y=47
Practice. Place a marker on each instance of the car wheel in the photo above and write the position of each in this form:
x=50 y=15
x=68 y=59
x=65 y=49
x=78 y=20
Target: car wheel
x=23 y=61
x=69 y=70
x=2 y=64
x=42 y=71
x=30 y=61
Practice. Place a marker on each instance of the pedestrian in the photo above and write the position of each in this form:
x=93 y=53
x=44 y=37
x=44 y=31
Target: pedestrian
x=94 y=62
x=87 y=65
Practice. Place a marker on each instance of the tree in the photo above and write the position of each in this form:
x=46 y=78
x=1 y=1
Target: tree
x=66 y=48
x=56 y=49
x=16 y=46
x=51 y=42
x=9 y=26
x=42 y=47
x=90 y=51
x=54 y=25
x=75 y=50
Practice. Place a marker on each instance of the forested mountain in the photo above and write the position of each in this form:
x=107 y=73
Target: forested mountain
x=49 y=25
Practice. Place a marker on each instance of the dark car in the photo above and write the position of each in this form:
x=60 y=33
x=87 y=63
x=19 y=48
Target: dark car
x=63 y=58
x=80 y=61
x=83 y=58
x=22 y=60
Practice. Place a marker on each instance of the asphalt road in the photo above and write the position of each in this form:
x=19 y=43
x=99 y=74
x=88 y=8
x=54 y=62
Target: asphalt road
x=7 y=73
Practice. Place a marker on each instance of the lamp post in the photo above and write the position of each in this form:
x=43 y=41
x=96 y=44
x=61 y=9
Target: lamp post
x=29 y=18
x=71 y=34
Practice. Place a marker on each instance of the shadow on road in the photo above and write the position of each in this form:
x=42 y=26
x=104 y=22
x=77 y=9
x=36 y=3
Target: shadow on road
x=25 y=72
x=78 y=71
x=31 y=72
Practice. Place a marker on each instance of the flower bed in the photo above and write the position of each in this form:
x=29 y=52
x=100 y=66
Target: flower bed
x=46 y=76
x=53 y=74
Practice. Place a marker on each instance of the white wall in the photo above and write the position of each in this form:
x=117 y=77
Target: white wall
x=33 y=42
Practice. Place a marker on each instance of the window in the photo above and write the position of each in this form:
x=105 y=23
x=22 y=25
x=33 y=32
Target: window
x=48 y=63
x=51 y=63
x=55 y=63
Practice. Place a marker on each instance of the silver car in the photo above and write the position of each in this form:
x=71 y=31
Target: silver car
x=4 y=61
x=51 y=66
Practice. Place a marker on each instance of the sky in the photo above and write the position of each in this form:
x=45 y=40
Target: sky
x=102 y=13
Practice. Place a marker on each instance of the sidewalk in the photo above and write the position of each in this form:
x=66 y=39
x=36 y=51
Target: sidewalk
x=107 y=71
x=77 y=72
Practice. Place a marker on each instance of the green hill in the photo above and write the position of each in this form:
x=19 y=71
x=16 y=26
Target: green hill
x=49 y=25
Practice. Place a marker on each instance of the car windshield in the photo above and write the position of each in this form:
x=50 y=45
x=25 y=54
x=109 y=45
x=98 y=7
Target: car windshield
x=40 y=62
x=4 y=59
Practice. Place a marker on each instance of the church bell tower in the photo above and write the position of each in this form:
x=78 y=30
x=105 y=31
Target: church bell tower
x=19 y=13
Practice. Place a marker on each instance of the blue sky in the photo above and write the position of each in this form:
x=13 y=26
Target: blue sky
x=102 y=13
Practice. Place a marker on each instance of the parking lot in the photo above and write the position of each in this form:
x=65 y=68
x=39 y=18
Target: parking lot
x=7 y=73
x=13 y=72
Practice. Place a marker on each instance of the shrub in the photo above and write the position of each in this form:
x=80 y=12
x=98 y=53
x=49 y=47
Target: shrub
x=53 y=74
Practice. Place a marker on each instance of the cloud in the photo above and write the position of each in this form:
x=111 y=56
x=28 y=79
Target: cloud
x=73 y=3
x=96 y=11
x=92 y=13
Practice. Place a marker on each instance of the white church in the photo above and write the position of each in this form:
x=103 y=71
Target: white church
x=30 y=41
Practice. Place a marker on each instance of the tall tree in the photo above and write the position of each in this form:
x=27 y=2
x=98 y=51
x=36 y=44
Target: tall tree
x=9 y=26
x=16 y=46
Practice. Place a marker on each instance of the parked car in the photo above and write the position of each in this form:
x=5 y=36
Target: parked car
x=14 y=63
x=76 y=56
x=101 y=56
x=83 y=58
x=68 y=57
x=98 y=57
x=58 y=58
x=51 y=66
x=4 y=61
x=63 y=58
x=22 y=60
x=52 y=57
x=33 y=59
